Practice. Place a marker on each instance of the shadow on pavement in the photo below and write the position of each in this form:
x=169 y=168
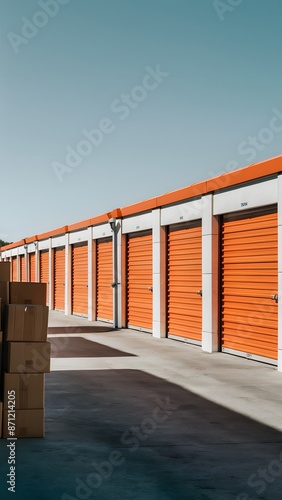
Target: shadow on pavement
x=77 y=347
x=80 y=329
x=126 y=434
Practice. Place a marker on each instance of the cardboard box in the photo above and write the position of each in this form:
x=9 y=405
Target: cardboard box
x=4 y=295
x=4 y=291
x=27 y=423
x=1 y=350
x=26 y=323
x=5 y=271
x=1 y=364
x=27 y=390
x=27 y=293
x=1 y=411
x=27 y=357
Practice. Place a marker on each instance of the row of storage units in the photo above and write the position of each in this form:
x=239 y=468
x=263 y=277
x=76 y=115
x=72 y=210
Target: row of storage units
x=51 y=266
x=196 y=267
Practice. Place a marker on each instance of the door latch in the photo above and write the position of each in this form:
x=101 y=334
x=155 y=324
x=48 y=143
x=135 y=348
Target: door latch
x=274 y=297
x=200 y=292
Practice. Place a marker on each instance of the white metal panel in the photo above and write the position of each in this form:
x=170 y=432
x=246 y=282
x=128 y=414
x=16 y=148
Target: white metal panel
x=31 y=248
x=257 y=195
x=191 y=210
x=6 y=254
x=14 y=252
x=78 y=236
x=43 y=245
x=21 y=250
x=102 y=231
x=59 y=241
x=137 y=223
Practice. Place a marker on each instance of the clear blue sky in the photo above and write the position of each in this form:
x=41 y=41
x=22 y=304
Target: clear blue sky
x=78 y=70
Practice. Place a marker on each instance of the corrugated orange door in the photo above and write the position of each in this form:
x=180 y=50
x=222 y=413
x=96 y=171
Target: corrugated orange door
x=249 y=279
x=44 y=270
x=140 y=281
x=14 y=269
x=104 y=279
x=32 y=269
x=22 y=268
x=59 y=279
x=80 y=279
x=184 y=280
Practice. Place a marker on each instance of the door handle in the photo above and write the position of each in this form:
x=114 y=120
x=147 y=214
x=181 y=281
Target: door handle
x=274 y=297
x=150 y=288
x=114 y=285
x=200 y=292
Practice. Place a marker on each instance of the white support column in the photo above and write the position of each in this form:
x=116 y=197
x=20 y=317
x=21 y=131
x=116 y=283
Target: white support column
x=94 y=279
x=37 y=263
x=210 y=277
x=119 y=261
x=159 y=276
x=26 y=263
x=18 y=266
x=51 y=276
x=91 y=271
x=68 y=263
x=279 y=291
x=123 y=279
x=116 y=275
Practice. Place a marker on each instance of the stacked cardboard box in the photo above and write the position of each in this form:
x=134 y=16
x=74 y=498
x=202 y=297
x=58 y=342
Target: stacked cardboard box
x=25 y=357
x=4 y=279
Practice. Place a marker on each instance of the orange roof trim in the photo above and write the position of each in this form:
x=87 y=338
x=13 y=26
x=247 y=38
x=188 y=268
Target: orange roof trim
x=31 y=239
x=55 y=232
x=228 y=179
x=141 y=206
x=192 y=191
x=80 y=225
x=99 y=219
x=116 y=213
x=245 y=174
x=13 y=245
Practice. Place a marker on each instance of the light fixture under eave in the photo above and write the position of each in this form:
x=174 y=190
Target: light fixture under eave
x=112 y=223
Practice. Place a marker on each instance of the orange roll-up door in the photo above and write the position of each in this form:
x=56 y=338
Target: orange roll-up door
x=104 y=279
x=14 y=269
x=44 y=270
x=184 y=280
x=22 y=268
x=59 y=279
x=32 y=268
x=140 y=281
x=80 y=279
x=249 y=279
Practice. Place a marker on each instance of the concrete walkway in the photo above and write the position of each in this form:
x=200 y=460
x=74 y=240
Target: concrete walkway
x=133 y=417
